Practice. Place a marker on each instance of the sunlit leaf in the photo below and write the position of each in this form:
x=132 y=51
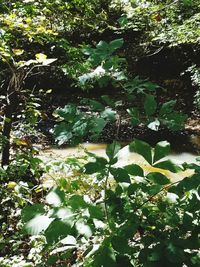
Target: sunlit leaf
x=161 y=150
x=38 y=224
x=142 y=148
x=56 y=197
x=83 y=228
x=40 y=57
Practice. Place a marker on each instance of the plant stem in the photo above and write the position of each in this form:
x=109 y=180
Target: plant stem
x=105 y=198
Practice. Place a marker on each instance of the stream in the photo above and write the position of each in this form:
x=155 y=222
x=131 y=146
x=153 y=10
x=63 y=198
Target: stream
x=125 y=157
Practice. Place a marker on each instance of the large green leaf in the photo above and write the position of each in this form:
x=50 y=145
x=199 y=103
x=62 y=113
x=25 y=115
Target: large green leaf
x=175 y=120
x=38 y=224
x=105 y=257
x=115 y=44
x=167 y=107
x=134 y=113
x=161 y=150
x=96 y=212
x=57 y=231
x=95 y=105
x=30 y=212
x=158 y=178
x=96 y=126
x=108 y=114
x=55 y=197
x=120 y=244
x=150 y=105
x=112 y=150
x=134 y=169
x=142 y=148
x=97 y=166
x=63 y=133
x=120 y=175
x=77 y=202
x=168 y=165
x=83 y=228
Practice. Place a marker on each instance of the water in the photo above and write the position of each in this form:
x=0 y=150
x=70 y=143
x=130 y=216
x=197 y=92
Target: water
x=125 y=157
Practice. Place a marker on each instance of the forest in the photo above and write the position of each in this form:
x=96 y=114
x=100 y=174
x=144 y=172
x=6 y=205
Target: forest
x=99 y=133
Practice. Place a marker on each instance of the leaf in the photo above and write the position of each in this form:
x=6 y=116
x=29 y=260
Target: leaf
x=56 y=197
x=94 y=167
x=38 y=224
x=123 y=261
x=175 y=121
x=80 y=128
x=158 y=178
x=134 y=113
x=96 y=212
x=96 y=127
x=108 y=100
x=155 y=189
x=68 y=112
x=154 y=125
x=134 y=169
x=108 y=64
x=30 y=212
x=120 y=175
x=150 y=105
x=18 y=52
x=96 y=105
x=112 y=150
x=161 y=150
x=57 y=231
x=115 y=44
x=175 y=254
x=65 y=214
x=48 y=61
x=103 y=81
x=40 y=57
x=105 y=257
x=123 y=21
x=120 y=244
x=108 y=114
x=141 y=148
x=88 y=51
x=83 y=228
x=62 y=133
x=77 y=202
x=190 y=183
x=168 y=165
x=102 y=45
x=167 y=107
x=69 y=240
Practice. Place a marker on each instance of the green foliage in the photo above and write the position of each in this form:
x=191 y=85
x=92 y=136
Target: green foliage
x=147 y=223
x=101 y=214
x=104 y=65
x=75 y=125
x=140 y=86
x=195 y=77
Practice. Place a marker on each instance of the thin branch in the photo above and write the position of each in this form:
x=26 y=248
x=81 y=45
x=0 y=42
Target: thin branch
x=163 y=8
x=151 y=197
x=156 y=52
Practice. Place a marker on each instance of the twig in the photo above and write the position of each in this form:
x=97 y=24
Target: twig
x=164 y=188
x=161 y=9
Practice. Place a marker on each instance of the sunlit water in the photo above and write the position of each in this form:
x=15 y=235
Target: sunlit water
x=125 y=157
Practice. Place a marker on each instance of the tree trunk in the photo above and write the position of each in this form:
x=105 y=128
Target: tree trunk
x=12 y=100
